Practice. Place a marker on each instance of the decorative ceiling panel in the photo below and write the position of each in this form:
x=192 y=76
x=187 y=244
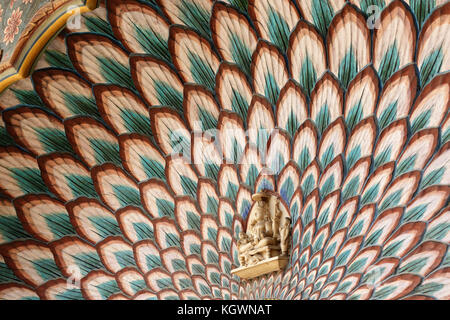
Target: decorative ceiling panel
x=27 y=26
x=129 y=158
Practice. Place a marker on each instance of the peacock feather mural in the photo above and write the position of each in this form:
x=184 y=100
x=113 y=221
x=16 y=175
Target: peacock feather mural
x=129 y=157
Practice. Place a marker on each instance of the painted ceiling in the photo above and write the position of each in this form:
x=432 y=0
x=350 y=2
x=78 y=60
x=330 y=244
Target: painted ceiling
x=129 y=155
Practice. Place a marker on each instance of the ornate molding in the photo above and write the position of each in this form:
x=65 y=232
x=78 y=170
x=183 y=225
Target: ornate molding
x=18 y=58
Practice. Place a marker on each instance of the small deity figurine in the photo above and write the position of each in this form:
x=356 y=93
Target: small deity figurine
x=268 y=225
x=259 y=224
x=244 y=246
x=285 y=235
x=243 y=239
x=254 y=259
x=276 y=221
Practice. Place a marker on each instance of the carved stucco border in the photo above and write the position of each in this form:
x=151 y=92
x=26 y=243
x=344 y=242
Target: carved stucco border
x=45 y=24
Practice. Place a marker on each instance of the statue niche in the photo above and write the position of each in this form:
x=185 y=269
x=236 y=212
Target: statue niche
x=264 y=246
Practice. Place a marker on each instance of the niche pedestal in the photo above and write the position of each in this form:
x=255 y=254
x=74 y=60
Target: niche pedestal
x=273 y=264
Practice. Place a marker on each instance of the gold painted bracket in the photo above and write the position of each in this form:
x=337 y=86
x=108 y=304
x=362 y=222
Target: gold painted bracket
x=34 y=40
x=266 y=266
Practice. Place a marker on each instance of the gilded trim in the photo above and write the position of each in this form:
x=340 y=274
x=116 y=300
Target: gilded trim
x=21 y=64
